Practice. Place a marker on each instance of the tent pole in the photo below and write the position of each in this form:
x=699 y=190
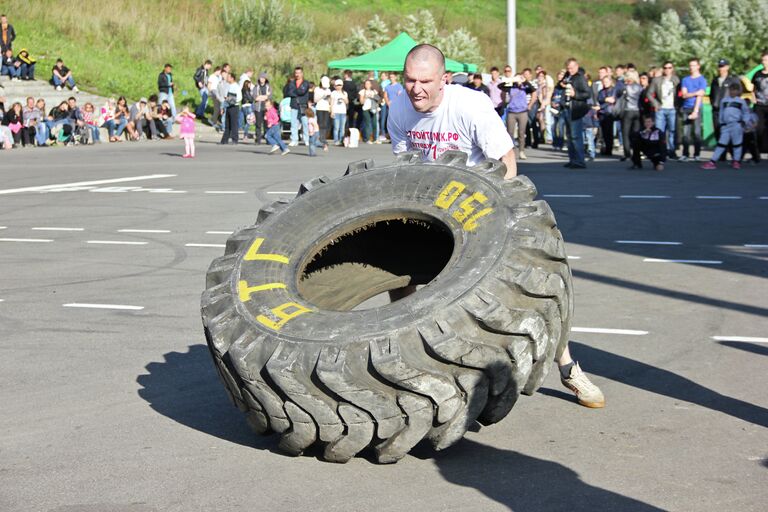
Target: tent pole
x=511 y=36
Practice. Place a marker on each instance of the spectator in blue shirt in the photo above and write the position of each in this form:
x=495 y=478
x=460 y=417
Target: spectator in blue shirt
x=391 y=91
x=693 y=88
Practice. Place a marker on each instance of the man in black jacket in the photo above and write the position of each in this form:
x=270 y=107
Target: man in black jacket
x=352 y=89
x=298 y=90
x=165 y=87
x=577 y=93
x=201 y=82
x=718 y=89
x=7 y=34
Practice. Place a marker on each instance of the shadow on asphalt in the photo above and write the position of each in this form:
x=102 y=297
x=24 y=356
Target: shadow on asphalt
x=186 y=388
x=523 y=483
x=761 y=350
x=663 y=382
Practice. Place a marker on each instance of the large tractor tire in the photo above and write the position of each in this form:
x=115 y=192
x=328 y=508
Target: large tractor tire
x=302 y=351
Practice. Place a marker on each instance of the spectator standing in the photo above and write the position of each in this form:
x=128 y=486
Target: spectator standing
x=272 y=119
x=246 y=108
x=662 y=94
x=221 y=95
x=27 y=67
x=339 y=104
x=543 y=115
x=201 y=82
x=231 y=108
x=495 y=91
x=693 y=88
x=369 y=101
x=605 y=114
x=62 y=75
x=476 y=84
x=734 y=112
x=261 y=93
x=533 y=130
x=391 y=91
x=558 y=115
x=760 y=92
x=577 y=92
x=298 y=90
x=7 y=34
x=383 y=107
x=213 y=85
x=187 y=132
x=646 y=110
x=353 y=109
x=630 y=116
x=165 y=88
x=591 y=125
x=718 y=89
x=322 y=97
x=517 y=112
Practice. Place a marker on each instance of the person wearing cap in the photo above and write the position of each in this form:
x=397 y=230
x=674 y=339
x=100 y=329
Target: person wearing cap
x=262 y=92
x=718 y=89
x=339 y=104
x=322 y=97
x=165 y=87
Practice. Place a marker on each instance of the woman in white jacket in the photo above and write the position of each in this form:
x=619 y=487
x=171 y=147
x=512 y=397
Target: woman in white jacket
x=322 y=99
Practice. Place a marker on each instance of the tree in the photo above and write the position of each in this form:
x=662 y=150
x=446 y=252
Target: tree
x=712 y=30
x=462 y=46
x=363 y=40
x=421 y=27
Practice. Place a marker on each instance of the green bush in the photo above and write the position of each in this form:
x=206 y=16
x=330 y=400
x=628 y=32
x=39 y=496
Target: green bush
x=251 y=21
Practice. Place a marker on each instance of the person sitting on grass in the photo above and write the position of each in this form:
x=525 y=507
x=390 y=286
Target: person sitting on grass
x=27 y=67
x=121 y=117
x=32 y=117
x=166 y=116
x=91 y=122
x=651 y=142
x=734 y=114
x=13 y=119
x=10 y=67
x=63 y=75
x=157 y=120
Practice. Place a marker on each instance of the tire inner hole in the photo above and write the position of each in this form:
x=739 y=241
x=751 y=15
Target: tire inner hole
x=357 y=266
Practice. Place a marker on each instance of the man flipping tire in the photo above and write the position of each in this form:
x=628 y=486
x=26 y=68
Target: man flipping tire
x=435 y=117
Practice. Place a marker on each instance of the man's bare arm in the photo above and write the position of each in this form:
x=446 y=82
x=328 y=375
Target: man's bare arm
x=511 y=162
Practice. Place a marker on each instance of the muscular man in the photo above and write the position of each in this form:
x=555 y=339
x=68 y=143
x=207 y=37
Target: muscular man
x=430 y=106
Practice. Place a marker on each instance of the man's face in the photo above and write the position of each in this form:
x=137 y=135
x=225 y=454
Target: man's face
x=30 y=103
x=620 y=71
x=3 y=20
x=393 y=77
x=764 y=61
x=424 y=84
x=298 y=74
x=572 y=67
x=601 y=73
x=508 y=72
x=72 y=104
x=527 y=75
x=648 y=123
x=495 y=75
x=644 y=81
x=694 y=67
x=668 y=69
x=724 y=69
x=607 y=81
x=167 y=69
x=478 y=80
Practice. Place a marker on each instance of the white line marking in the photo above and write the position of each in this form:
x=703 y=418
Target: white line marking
x=205 y=245
x=763 y=197
x=40 y=240
x=718 y=197
x=600 y=330
x=58 y=229
x=166 y=191
x=756 y=246
x=226 y=191
x=294 y=192
x=748 y=339
x=3 y=227
x=567 y=195
x=647 y=242
x=84 y=183
x=2 y=300
x=143 y=230
x=219 y=232
x=702 y=262
x=574 y=257
x=115 y=242
x=115 y=189
x=645 y=197
x=102 y=306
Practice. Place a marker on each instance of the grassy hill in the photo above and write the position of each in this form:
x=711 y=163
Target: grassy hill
x=117 y=47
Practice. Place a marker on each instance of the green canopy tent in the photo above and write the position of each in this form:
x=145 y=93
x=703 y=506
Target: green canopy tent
x=391 y=57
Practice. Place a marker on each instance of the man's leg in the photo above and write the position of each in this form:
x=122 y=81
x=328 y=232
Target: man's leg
x=200 y=110
x=762 y=128
x=687 y=127
x=569 y=133
x=294 y=126
x=574 y=379
x=577 y=130
x=304 y=129
x=697 y=136
x=234 y=110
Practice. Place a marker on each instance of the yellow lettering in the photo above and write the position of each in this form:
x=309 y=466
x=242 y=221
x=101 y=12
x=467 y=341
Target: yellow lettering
x=283 y=315
x=449 y=194
x=471 y=222
x=466 y=208
x=244 y=291
x=253 y=253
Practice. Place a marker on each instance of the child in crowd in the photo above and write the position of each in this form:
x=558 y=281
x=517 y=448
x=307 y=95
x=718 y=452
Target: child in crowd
x=187 y=121
x=649 y=141
x=591 y=124
x=312 y=128
x=734 y=113
x=273 y=137
x=750 y=135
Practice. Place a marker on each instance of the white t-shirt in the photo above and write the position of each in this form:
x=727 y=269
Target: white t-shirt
x=337 y=102
x=465 y=121
x=667 y=93
x=321 y=99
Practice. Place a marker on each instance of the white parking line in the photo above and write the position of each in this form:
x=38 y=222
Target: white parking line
x=702 y=262
x=43 y=188
x=36 y=240
x=756 y=246
x=115 y=242
x=102 y=306
x=205 y=245
x=645 y=197
x=143 y=230
x=600 y=330
x=718 y=197
x=647 y=242
x=747 y=339
x=226 y=191
x=219 y=232
x=568 y=195
x=58 y=229
x=281 y=193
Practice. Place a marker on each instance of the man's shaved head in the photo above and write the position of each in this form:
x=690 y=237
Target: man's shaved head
x=428 y=54
x=424 y=77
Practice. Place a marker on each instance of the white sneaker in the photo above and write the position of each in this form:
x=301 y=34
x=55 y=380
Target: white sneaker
x=587 y=393
x=522 y=156
x=293 y=144
x=285 y=152
x=58 y=87
x=683 y=159
x=75 y=89
x=274 y=148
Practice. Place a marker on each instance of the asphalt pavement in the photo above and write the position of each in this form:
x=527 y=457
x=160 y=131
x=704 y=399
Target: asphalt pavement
x=109 y=400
